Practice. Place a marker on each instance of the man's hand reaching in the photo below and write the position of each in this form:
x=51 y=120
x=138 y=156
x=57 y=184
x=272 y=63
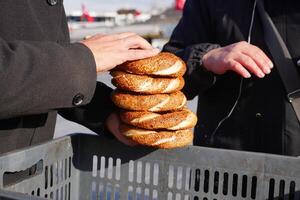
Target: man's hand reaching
x=112 y=50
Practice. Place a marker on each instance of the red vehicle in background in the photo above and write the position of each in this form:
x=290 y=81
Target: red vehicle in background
x=86 y=17
x=179 y=4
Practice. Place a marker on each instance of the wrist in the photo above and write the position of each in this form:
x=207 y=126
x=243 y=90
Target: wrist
x=204 y=61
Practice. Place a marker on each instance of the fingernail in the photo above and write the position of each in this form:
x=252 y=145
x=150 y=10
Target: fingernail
x=271 y=65
x=267 y=70
x=261 y=75
x=248 y=75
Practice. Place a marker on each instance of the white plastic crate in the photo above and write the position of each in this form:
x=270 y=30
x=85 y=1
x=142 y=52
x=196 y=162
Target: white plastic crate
x=83 y=167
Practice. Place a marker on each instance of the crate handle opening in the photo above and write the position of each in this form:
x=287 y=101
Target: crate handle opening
x=13 y=177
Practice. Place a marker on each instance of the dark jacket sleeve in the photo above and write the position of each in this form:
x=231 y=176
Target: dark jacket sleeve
x=191 y=39
x=37 y=77
x=94 y=114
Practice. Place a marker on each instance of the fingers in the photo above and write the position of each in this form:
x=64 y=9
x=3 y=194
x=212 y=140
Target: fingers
x=250 y=65
x=260 y=58
x=136 y=42
x=125 y=35
x=117 y=36
x=97 y=36
x=252 y=58
x=268 y=61
x=112 y=50
x=113 y=123
x=126 y=40
x=136 y=54
x=238 y=68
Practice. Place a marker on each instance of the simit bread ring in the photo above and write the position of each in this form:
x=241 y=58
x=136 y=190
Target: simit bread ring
x=158 y=139
x=146 y=84
x=152 y=103
x=163 y=64
x=176 y=120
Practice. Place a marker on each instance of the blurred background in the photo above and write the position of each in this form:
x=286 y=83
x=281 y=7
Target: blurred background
x=152 y=19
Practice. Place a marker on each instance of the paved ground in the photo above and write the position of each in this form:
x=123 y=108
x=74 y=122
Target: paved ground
x=64 y=127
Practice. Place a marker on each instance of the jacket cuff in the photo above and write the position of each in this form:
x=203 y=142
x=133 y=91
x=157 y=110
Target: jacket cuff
x=194 y=54
x=83 y=75
x=94 y=114
x=196 y=73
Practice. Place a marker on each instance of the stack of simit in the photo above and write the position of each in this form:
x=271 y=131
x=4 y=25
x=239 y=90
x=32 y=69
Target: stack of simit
x=153 y=109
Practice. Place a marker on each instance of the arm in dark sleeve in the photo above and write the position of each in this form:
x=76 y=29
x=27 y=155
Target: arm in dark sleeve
x=36 y=77
x=94 y=114
x=191 y=39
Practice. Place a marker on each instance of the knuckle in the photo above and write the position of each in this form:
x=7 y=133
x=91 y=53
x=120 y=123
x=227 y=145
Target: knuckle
x=141 y=40
x=262 y=61
x=225 y=60
x=265 y=63
x=123 y=41
x=230 y=55
x=135 y=39
x=230 y=63
x=236 y=47
x=242 y=43
x=232 y=46
x=255 y=48
x=131 y=33
x=259 y=58
x=235 y=66
x=247 y=60
x=239 y=45
x=257 y=52
x=135 y=36
x=125 y=34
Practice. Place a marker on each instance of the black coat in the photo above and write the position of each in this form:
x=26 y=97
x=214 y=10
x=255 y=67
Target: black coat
x=42 y=73
x=263 y=120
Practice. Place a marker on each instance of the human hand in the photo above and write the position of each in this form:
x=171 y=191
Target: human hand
x=113 y=123
x=112 y=50
x=242 y=58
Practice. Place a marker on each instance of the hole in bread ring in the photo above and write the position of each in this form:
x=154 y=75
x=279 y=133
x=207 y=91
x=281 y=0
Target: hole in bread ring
x=158 y=139
x=177 y=120
x=146 y=84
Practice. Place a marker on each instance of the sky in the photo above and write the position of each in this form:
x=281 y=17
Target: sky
x=112 y=5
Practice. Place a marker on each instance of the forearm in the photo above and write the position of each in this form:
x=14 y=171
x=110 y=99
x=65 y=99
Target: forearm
x=37 y=77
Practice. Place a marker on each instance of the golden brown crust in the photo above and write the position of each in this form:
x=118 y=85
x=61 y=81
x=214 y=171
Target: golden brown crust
x=152 y=103
x=154 y=65
x=158 y=139
x=177 y=120
x=146 y=84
